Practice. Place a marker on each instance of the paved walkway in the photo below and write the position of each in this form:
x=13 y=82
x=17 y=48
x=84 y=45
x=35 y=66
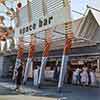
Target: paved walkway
x=23 y=97
x=7 y=92
x=49 y=93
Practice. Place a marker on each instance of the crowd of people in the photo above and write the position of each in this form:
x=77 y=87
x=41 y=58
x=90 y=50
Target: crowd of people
x=84 y=76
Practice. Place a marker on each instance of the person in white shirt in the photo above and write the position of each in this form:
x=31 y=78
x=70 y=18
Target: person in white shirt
x=75 y=76
x=74 y=79
x=93 y=78
x=84 y=76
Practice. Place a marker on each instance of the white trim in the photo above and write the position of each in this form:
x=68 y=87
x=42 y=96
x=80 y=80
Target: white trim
x=88 y=54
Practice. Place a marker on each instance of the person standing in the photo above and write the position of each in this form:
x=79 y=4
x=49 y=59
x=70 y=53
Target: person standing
x=56 y=72
x=84 y=76
x=19 y=77
x=76 y=76
x=93 y=78
x=69 y=75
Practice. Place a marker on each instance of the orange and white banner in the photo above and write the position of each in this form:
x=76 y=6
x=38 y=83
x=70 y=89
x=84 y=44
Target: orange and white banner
x=68 y=38
x=29 y=64
x=47 y=45
x=67 y=48
x=19 y=58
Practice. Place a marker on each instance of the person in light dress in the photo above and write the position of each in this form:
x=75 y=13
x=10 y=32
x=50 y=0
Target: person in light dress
x=93 y=78
x=84 y=76
x=75 y=78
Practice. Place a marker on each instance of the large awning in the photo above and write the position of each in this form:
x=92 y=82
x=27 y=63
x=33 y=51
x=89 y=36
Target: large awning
x=89 y=27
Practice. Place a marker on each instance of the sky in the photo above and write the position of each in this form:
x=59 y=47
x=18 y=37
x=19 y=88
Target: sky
x=77 y=5
x=80 y=6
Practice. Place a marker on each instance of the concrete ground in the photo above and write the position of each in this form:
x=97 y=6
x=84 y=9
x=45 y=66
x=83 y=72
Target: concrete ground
x=23 y=97
x=9 y=94
x=48 y=92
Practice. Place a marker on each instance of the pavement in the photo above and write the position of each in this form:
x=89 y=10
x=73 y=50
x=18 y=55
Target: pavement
x=48 y=92
x=7 y=92
x=23 y=97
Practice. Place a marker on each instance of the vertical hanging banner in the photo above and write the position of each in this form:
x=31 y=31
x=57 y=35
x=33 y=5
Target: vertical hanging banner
x=47 y=45
x=29 y=64
x=67 y=48
x=20 y=53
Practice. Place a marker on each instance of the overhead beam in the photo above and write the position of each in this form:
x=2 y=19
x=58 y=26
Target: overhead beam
x=78 y=12
x=93 y=8
x=61 y=33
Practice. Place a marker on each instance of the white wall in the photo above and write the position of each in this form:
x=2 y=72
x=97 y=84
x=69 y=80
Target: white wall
x=97 y=35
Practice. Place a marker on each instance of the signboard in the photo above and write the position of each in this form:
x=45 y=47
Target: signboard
x=49 y=74
x=77 y=62
x=45 y=15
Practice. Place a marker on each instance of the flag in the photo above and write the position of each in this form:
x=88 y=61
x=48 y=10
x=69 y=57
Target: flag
x=68 y=30
x=29 y=65
x=47 y=45
x=67 y=48
x=19 y=58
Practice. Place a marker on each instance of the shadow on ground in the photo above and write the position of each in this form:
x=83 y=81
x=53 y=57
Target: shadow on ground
x=7 y=91
x=69 y=91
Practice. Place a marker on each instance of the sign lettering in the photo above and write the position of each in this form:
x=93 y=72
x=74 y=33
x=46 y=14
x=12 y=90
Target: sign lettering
x=33 y=26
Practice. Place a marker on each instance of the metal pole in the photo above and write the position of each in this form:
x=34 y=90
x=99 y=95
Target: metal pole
x=93 y=8
x=78 y=12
